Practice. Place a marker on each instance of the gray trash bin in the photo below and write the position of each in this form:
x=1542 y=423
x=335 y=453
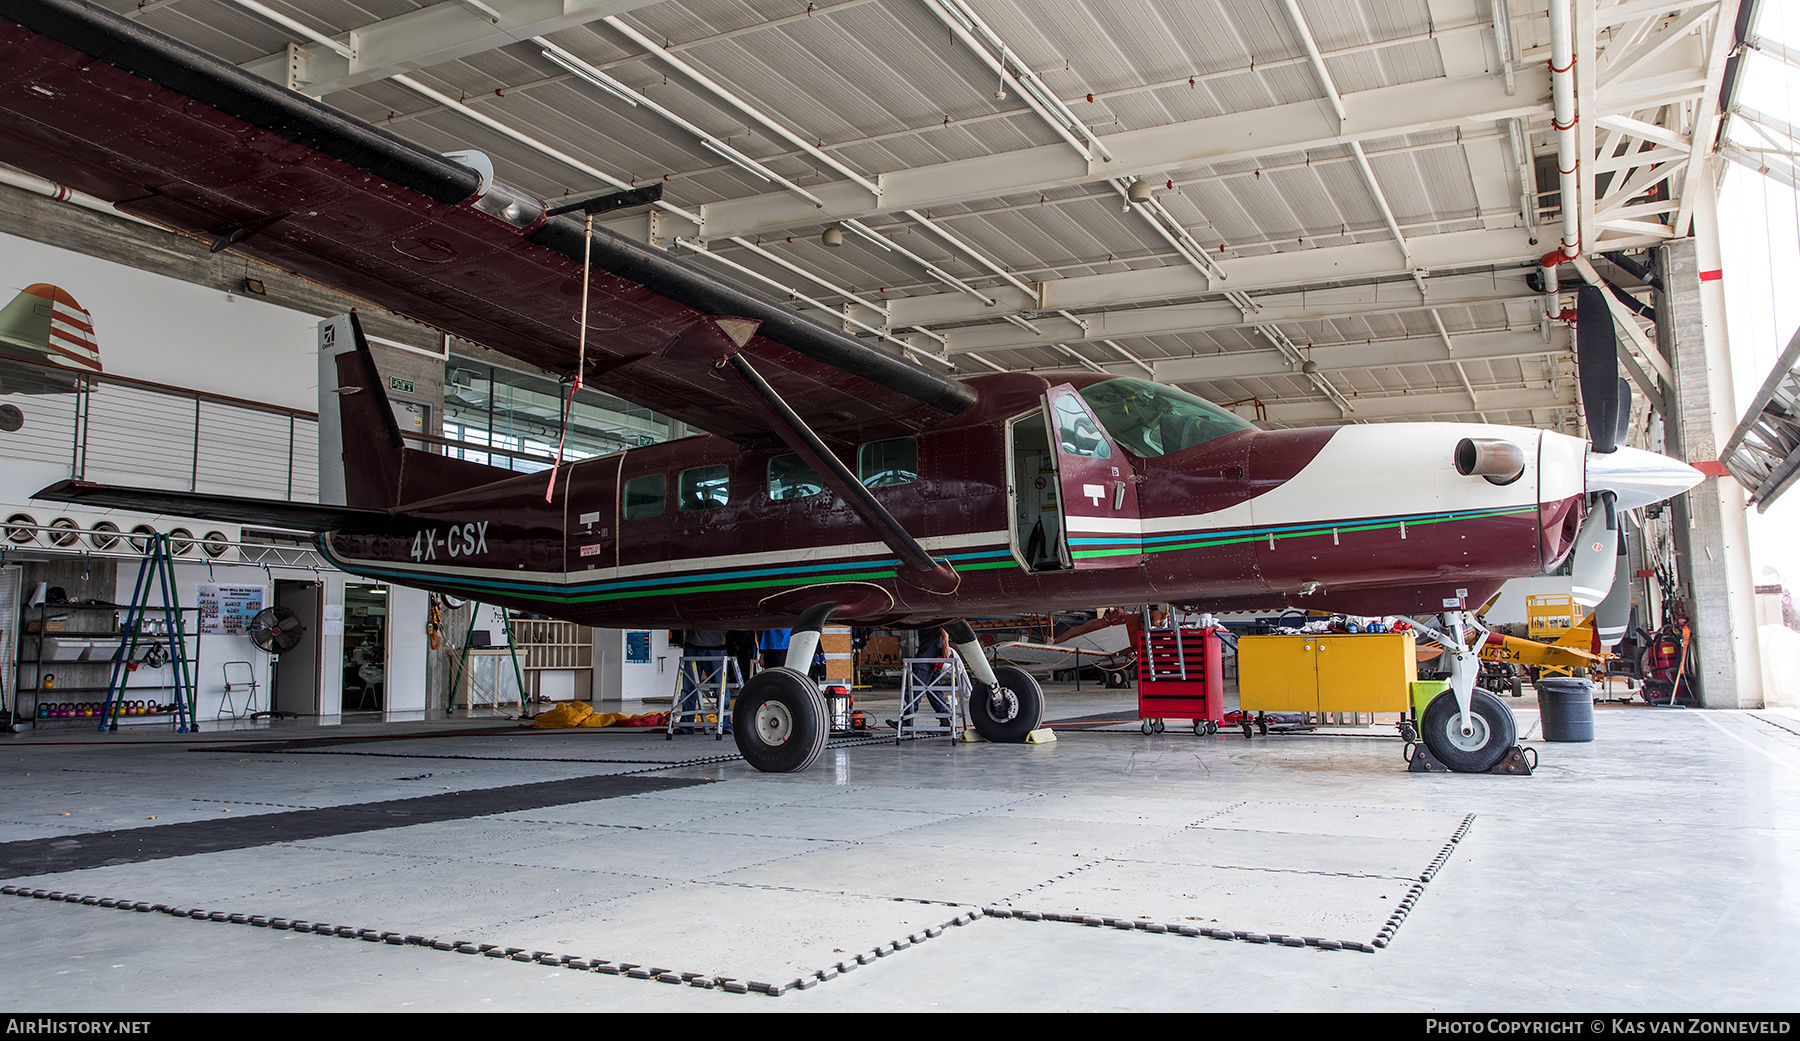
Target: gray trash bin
x=1566 y=708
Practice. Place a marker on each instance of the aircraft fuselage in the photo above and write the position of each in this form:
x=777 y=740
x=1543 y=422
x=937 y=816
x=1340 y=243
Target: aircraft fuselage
x=1367 y=520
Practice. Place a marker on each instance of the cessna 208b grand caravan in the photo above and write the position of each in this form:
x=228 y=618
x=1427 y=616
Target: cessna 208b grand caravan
x=836 y=481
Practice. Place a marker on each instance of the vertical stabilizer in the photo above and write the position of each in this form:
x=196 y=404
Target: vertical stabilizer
x=44 y=325
x=359 y=441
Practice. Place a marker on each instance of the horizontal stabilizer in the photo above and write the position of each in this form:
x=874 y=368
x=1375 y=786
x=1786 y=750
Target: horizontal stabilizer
x=275 y=513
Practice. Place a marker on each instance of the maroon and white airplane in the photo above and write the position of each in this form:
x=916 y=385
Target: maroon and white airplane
x=838 y=481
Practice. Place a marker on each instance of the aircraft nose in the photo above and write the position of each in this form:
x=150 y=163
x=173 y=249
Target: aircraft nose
x=1637 y=477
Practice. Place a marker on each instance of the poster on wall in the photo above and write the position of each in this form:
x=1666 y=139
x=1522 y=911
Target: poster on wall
x=227 y=610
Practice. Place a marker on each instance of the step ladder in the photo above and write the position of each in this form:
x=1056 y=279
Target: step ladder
x=154 y=594
x=949 y=680
x=706 y=687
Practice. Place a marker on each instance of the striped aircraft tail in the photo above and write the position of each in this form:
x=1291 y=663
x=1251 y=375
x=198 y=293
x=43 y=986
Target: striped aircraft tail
x=45 y=327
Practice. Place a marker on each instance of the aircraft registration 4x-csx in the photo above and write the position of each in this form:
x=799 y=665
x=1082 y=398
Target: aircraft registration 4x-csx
x=836 y=480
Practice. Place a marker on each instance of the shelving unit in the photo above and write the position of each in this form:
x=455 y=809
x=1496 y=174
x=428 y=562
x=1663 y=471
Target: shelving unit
x=547 y=646
x=77 y=652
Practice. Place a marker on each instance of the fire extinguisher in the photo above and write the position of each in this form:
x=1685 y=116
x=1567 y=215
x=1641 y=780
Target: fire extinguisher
x=1661 y=656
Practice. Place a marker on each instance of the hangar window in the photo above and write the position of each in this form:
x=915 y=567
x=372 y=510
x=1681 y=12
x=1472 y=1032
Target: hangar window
x=883 y=464
x=644 y=497
x=791 y=478
x=705 y=487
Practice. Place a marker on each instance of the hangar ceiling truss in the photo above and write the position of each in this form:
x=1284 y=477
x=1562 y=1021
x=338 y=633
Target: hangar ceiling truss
x=1329 y=207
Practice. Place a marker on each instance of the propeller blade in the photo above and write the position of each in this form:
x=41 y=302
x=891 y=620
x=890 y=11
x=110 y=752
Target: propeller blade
x=1624 y=429
x=1596 y=550
x=1597 y=363
x=1613 y=614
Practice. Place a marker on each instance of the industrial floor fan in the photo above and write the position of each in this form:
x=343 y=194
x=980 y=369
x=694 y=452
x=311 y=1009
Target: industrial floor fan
x=275 y=630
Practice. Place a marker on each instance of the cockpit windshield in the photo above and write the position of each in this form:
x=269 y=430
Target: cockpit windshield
x=1152 y=420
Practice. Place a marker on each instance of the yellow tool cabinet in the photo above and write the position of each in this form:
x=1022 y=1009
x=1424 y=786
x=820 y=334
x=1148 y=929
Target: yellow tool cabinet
x=1326 y=673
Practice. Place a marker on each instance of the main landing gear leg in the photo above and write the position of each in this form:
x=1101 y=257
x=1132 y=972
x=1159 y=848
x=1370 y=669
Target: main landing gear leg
x=1007 y=704
x=780 y=720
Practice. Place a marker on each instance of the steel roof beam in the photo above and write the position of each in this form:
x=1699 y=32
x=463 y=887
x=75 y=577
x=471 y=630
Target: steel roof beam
x=1357 y=262
x=1383 y=112
x=1421 y=406
x=1341 y=357
x=429 y=36
x=1287 y=308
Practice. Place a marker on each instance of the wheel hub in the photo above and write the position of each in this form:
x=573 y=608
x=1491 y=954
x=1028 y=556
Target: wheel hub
x=774 y=723
x=1003 y=705
x=1474 y=739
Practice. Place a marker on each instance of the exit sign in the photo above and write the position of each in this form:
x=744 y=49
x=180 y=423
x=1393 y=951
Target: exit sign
x=403 y=386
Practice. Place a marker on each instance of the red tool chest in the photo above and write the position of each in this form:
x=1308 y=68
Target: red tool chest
x=1180 y=676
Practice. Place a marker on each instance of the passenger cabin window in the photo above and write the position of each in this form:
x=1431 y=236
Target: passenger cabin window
x=1076 y=431
x=644 y=497
x=884 y=464
x=791 y=478
x=1152 y=420
x=705 y=488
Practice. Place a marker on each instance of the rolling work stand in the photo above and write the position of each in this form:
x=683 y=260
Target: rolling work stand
x=949 y=682
x=705 y=689
x=1180 y=676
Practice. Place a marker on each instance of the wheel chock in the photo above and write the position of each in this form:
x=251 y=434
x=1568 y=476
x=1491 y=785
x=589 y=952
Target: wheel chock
x=1040 y=736
x=1419 y=760
x=1517 y=761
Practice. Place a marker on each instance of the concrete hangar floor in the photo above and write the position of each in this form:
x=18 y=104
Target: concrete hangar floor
x=469 y=866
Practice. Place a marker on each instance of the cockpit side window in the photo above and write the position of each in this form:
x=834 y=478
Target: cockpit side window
x=1152 y=420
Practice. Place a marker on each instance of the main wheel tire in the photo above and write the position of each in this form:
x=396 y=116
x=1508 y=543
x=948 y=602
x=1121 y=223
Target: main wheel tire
x=1494 y=735
x=1020 y=708
x=780 y=721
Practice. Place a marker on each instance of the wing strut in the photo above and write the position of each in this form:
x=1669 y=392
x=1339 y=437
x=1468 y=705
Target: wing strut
x=726 y=338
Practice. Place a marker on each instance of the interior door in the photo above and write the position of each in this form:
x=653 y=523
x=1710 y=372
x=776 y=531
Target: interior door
x=1099 y=493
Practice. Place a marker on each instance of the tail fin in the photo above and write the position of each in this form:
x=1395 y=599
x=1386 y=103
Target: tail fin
x=354 y=412
x=1580 y=637
x=363 y=459
x=44 y=324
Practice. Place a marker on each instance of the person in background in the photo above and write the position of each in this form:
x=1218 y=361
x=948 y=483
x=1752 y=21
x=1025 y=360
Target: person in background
x=742 y=645
x=774 y=645
x=933 y=643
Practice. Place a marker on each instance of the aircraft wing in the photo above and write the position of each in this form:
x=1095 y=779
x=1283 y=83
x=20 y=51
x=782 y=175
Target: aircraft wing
x=170 y=134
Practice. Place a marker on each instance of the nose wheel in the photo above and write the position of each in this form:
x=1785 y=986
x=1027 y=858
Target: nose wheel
x=1478 y=748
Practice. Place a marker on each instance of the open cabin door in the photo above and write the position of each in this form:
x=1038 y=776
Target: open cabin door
x=1099 y=490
